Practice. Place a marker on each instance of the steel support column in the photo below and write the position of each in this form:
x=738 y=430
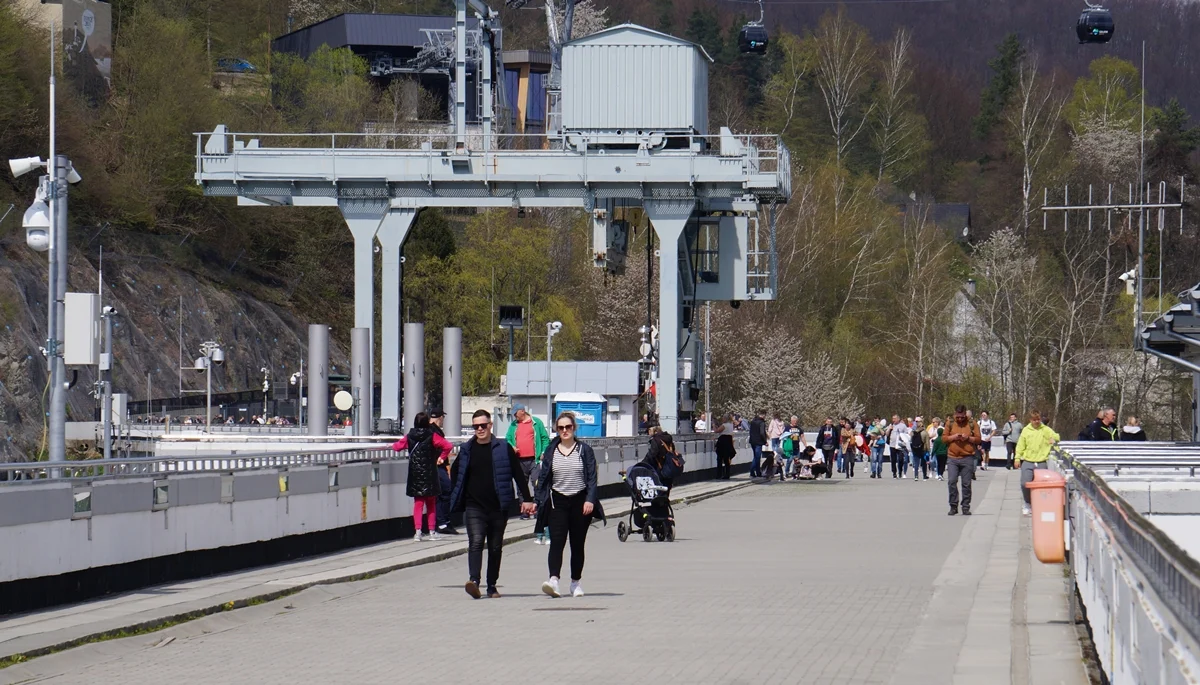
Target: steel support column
x=318 y=379
x=1195 y=407
x=452 y=381
x=460 y=76
x=360 y=378
x=414 y=371
x=669 y=218
x=393 y=231
x=364 y=218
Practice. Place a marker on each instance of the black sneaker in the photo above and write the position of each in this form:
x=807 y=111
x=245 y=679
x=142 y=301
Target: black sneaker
x=953 y=511
x=448 y=530
x=472 y=588
x=966 y=511
x=493 y=593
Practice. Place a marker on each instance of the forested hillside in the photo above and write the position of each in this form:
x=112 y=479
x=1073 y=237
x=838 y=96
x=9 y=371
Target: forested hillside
x=888 y=110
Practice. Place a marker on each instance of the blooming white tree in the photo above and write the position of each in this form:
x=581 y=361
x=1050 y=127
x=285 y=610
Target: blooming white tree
x=776 y=376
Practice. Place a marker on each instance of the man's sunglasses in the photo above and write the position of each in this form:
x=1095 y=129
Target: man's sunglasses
x=480 y=426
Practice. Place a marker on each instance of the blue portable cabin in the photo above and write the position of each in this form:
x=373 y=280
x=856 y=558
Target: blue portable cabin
x=590 y=409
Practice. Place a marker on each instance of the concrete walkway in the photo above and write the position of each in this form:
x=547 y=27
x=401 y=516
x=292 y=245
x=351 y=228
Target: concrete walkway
x=860 y=581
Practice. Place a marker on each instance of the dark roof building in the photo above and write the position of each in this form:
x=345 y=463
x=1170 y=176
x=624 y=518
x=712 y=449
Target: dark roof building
x=366 y=33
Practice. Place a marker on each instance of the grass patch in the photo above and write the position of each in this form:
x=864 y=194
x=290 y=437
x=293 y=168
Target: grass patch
x=145 y=628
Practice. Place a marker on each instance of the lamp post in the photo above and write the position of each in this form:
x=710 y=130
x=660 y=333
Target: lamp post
x=297 y=380
x=265 y=386
x=211 y=353
x=552 y=329
x=45 y=225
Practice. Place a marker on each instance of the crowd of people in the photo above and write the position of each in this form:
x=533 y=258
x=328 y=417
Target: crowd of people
x=951 y=449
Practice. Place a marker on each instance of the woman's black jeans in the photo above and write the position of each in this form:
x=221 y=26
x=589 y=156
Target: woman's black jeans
x=484 y=526
x=567 y=520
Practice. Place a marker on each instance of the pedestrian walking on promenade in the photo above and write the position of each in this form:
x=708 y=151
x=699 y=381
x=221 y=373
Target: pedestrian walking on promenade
x=566 y=488
x=758 y=438
x=878 y=440
x=775 y=432
x=1033 y=451
x=483 y=476
x=896 y=440
x=938 y=447
x=918 y=448
x=1012 y=434
x=987 y=428
x=961 y=436
x=724 y=448
x=1132 y=431
x=425 y=450
x=436 y=418
x=529 y=438
x=828 y=438
x=847 y=436
x=1103 y=428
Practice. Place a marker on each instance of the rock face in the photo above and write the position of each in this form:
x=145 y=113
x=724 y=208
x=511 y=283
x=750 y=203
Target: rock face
x=150 y=296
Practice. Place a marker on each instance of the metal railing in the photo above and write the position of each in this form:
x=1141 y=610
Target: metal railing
x=1169 y=570
x=24 y=472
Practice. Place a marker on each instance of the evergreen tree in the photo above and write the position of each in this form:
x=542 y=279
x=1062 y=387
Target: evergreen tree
x=1173 y=142
x=995 y=95
x=665 y=20
x=704 y=28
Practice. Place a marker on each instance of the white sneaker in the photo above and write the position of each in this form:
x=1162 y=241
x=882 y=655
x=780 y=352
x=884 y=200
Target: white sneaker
x=940 y=478
x=550 y=587
x=434 y=535
x=417 y=537
x=576 y=589
x=1026 y=511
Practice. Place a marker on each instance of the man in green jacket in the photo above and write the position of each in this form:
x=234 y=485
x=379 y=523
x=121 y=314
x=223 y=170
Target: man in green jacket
x=528 y=437
x=1033 y=451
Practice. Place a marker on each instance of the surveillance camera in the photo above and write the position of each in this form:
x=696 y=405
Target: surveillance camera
x=22 y=166
x=73 y=176
x=1128 y=275
x=110 y=311
x=554 y=327
x=218 y=356
x=201 y=364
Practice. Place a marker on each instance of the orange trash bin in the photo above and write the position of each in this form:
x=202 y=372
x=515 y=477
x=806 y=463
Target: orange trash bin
x=1047 y=497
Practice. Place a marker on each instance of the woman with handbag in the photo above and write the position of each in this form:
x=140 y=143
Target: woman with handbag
x=566 y=487
x=724 y=448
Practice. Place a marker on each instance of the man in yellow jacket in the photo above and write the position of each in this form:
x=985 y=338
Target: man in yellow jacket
x=1033 y=451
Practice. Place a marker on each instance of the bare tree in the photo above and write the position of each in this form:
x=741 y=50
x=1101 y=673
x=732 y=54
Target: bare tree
x=898 y=131
x=784 y=92
x=844 y=55
x=1032 y=120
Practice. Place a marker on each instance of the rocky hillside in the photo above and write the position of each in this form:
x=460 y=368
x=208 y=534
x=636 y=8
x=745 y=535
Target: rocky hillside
x=146 y=292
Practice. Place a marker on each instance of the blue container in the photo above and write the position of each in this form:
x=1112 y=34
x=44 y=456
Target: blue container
x=589 y=416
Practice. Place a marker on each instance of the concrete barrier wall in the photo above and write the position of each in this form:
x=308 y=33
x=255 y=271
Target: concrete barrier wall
x=52 y=528
x=1136 y=637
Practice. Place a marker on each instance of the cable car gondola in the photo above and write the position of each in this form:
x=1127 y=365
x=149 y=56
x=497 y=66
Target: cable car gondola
x=1095 y=25
x=753 y=36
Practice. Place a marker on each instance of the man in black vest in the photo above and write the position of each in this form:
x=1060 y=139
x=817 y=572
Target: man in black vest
x=483 y=476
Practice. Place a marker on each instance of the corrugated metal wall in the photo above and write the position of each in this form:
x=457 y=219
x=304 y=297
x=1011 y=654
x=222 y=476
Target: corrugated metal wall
x=651 y=86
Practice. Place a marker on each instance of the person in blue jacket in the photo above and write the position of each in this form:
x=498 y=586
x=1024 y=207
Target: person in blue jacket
x=483 y=476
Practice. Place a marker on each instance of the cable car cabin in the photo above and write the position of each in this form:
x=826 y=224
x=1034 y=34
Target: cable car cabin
x=1095 y=25
x=753 y=39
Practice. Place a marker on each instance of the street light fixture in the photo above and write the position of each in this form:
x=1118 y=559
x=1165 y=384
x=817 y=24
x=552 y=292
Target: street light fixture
x=211 y=353
x=552 y=329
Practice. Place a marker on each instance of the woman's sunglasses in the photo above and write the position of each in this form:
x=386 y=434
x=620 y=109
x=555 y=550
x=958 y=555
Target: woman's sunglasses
x=565 y=427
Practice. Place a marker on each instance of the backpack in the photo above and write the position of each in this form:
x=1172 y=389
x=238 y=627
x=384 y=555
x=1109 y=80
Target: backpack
x=672 y=467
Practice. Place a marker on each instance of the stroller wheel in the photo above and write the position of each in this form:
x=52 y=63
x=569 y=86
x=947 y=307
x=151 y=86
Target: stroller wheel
x=647 y=533
x=670 y=531
x=622 y=531
x=661 y=535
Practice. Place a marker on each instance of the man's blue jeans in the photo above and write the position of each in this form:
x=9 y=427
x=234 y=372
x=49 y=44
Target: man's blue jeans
x=877 y=461
x=918 y=461
x=756 y=463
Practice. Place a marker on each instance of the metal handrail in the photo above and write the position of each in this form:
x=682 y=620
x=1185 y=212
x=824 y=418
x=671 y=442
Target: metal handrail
x=23 y=472
x=1170 y=571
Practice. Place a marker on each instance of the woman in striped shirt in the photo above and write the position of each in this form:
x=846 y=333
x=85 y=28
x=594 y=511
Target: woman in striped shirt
x=566 y=488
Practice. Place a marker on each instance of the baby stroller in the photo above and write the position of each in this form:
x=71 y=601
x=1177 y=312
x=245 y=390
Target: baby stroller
x=650 y=512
